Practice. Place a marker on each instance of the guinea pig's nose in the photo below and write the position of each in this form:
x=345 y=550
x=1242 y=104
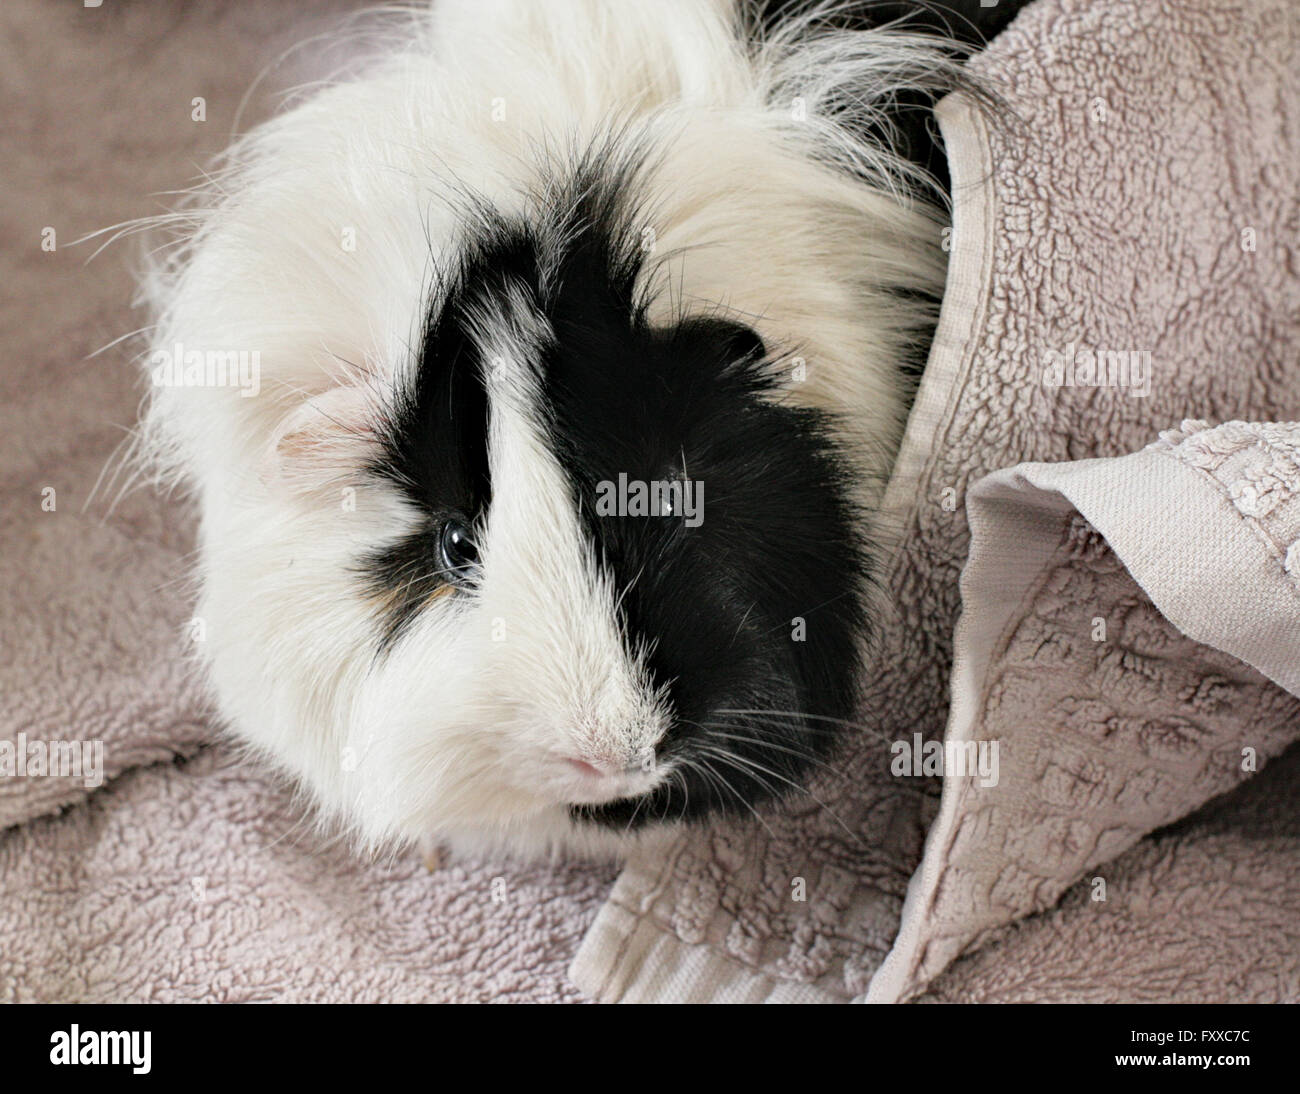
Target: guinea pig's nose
x=602 y=768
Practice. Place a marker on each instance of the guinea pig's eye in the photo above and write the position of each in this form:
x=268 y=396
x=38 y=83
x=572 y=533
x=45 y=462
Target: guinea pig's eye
x=459 y=554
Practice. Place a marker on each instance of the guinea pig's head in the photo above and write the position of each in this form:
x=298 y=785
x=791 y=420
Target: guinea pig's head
x=608 y=571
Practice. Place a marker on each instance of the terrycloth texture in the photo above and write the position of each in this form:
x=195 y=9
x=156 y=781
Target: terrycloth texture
x=103 y=903
x=1147 y=203
x=1184 y=916
x=92 y=646
x=196 y=883
x=1108 y=721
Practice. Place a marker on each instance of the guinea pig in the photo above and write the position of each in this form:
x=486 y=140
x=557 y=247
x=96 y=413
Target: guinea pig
x=535 y=385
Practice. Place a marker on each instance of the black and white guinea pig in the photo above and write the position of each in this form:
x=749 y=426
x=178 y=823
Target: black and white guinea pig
x=535 y=387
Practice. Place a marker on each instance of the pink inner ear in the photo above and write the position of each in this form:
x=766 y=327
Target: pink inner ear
x=321 y=441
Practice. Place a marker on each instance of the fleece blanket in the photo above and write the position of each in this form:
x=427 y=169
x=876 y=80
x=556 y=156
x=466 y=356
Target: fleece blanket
x=1146 y=202
x=1123 y=272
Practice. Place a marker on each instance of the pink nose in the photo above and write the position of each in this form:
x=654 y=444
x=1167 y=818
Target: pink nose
x=585 y=768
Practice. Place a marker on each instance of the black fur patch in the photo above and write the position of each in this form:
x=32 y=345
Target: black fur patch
x=714 y=606
x=434 y=449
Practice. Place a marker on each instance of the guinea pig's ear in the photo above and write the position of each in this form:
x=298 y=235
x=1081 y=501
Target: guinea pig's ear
x=322 y=442
x=741 y=342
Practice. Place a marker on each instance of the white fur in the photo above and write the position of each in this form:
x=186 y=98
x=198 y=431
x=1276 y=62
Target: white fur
x=457 y=735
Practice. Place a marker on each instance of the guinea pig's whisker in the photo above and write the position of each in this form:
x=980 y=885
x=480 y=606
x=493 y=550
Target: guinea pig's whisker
x=713 y=778
x=731 y=760
x=799 y=714
x=718 y=779
x=918 y=791
x=743 y=763
x=786 y=725
x=680 y=776
x=632 y=819
x=803 y=754
x=748 y=767
x=807 y=757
